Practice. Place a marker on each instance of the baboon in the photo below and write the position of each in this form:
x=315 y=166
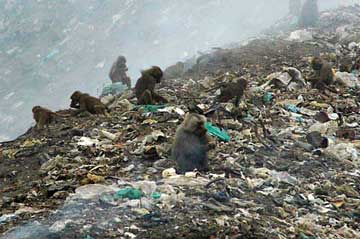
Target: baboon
x=85 y=102
x=145 y=86
x=309 y=14
x=118 y=72
x=43 y=117
x=323 y=73
x=191 y=144
x=233 y=90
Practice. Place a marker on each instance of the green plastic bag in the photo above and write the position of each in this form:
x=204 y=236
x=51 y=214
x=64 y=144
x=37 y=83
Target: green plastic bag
x=150 y=108
x=130 y=193
x=268 y=97
x=156 y=195
x=215 y=131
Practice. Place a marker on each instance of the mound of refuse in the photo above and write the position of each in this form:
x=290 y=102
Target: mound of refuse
x=286 y=161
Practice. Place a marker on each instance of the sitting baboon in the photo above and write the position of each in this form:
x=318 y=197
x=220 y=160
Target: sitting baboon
x=323 y=73
x=191 y=144
x=145 y=86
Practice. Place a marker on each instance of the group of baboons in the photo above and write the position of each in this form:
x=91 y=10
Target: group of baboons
x=191 y=143
x=191 y=140
x=83 y=102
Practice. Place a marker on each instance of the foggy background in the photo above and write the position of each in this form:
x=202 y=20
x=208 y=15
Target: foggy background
x=48 y=49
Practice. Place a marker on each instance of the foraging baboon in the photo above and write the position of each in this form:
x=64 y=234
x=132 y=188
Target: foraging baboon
x=43 y=117
x=233 y=90
x=85 y=102
x=191 y=144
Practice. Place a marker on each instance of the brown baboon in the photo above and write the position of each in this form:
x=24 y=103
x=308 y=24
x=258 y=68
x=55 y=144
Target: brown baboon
x=191 y=144
x=233 y=90
x=145 y=86
x=85 y=102
x=44 y=117
x=324 y=75
x=118 y=72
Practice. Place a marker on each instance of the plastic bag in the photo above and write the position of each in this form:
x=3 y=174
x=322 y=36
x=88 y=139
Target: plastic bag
x=215 y=131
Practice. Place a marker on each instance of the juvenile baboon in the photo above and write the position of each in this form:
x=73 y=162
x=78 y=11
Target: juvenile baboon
x=85 y=102
x=233 y=90
x=43 y=117
x=118 y=72
x=145 y=86
x=323 y=73
x=191 y=144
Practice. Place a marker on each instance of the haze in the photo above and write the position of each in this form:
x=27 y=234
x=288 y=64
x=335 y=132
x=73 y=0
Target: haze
x=48 y=49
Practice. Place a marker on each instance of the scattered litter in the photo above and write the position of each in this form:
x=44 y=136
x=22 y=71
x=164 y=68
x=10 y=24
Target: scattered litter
x=130 y=193
x=215 y=131
x=150 y=108
x=283 y=162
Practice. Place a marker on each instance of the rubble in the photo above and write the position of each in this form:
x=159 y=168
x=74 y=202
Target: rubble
x=285 y=164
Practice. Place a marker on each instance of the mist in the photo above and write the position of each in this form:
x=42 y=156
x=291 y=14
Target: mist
x=48 y=49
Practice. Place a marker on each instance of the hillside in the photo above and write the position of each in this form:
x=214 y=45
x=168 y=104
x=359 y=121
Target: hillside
x=271 y=180
x=48 y=49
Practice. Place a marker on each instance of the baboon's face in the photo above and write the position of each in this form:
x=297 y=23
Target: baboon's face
x=35 y=108
x=195 y=123
x=75 y=97
x=157 y=73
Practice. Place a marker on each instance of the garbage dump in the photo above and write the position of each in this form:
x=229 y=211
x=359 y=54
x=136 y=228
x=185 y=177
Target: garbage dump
x=284 y=162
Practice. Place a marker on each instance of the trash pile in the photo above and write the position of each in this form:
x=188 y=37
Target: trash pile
x=286 y=162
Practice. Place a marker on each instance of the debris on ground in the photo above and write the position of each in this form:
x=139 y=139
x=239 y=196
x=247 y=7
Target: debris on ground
x=285 y=165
